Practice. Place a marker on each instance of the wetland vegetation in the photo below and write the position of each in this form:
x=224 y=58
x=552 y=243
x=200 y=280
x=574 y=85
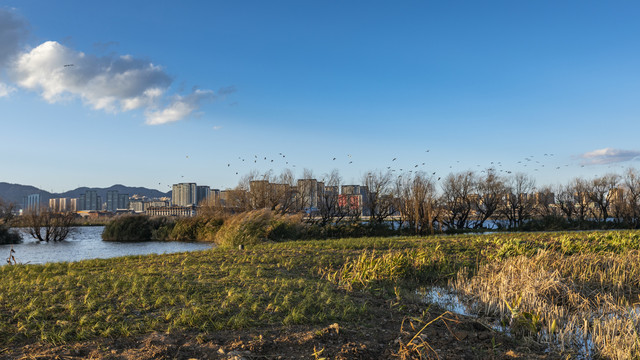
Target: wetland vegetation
x=557 y=291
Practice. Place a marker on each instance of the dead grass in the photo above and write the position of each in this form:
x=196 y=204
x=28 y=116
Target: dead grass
x=584 y=303
x=254 y=227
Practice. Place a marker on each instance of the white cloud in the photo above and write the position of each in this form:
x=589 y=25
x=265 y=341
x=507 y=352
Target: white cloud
x=179 y=108
x=609 y=156
x=5 y=90
x=111 y=83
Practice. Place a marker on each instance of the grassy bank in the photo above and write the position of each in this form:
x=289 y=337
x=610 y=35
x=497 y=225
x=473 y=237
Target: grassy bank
x=286 y=283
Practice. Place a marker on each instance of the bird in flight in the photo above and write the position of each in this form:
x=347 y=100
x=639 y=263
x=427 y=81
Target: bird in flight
x=68 y=65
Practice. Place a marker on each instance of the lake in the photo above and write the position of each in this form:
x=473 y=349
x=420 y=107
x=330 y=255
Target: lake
x=86 y=243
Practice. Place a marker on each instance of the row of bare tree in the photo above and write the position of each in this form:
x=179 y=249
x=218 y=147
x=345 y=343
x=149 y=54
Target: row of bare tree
x=460 y=201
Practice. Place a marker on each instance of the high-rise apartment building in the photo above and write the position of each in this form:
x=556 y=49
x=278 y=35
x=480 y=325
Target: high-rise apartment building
x=352 y=189
x=184 y=194
x=260 y=193
x=92 y=200
x=214 y=199
x=60 y=204
x=112 y=200
x=31 y=203
x=123 y=201
x=89 y=201
x=308 y=193
x=354 y=197
x=203 y=194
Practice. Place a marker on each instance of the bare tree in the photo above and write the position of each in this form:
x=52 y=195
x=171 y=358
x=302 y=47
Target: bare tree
x=239 y=198
x=566 y=200
x=402 y=201
x=600 y=194
x=420 y=203
x=47 y=225
x=329 y=209
x=631 y=181
x=378 y=202
x=519 y=199
x=457 y=199
x=491 y=191
x=581 y=193
x=544 y=200
x=6 y=212
x=282 y=194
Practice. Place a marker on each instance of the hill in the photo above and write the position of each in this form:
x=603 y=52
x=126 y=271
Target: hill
x=16 y=192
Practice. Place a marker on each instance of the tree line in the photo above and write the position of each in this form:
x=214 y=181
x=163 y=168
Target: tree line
x=422 y=204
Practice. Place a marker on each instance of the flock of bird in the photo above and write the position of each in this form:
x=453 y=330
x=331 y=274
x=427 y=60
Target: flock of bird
x=395 y=165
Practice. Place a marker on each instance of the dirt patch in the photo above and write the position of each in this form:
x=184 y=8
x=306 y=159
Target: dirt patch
x=389 y=335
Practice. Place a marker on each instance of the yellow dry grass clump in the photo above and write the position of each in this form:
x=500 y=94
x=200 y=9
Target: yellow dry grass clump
x=254 y=227
x=584 y=301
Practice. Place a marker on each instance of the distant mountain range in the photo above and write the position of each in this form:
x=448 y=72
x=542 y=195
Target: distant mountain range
x=16 y=192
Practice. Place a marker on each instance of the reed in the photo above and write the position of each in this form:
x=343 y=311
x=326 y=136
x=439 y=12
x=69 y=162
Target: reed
x=585 y=303
x=253 y=227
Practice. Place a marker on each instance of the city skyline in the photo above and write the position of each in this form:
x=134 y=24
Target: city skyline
x=97 y=95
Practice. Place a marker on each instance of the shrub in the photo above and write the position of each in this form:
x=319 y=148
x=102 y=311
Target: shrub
x=134 y=228
x=185 y=229
x=162 y=228
x=348 y=230
x=131 y=228
x=8 y=236
x=202 y=228
x=286 y=227
x=257 y=226
x=209 y=228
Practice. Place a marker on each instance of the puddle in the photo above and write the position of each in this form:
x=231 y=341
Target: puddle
x=575 y=340
x=450 y=301
x=447 y=300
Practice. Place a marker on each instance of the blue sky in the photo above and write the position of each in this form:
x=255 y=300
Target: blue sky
x=162 y=92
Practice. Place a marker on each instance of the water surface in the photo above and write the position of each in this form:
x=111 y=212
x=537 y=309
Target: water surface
x=86 y=243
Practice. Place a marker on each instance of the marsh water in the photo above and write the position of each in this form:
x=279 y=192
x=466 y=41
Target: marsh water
x=86 y=243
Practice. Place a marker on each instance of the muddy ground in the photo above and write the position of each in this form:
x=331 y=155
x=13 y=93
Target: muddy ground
x=391 y=334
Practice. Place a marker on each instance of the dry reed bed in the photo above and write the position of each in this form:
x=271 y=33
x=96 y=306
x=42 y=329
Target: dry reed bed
x=585 y=303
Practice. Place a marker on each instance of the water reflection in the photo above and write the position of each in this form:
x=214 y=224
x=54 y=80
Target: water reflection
x=86 y=243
